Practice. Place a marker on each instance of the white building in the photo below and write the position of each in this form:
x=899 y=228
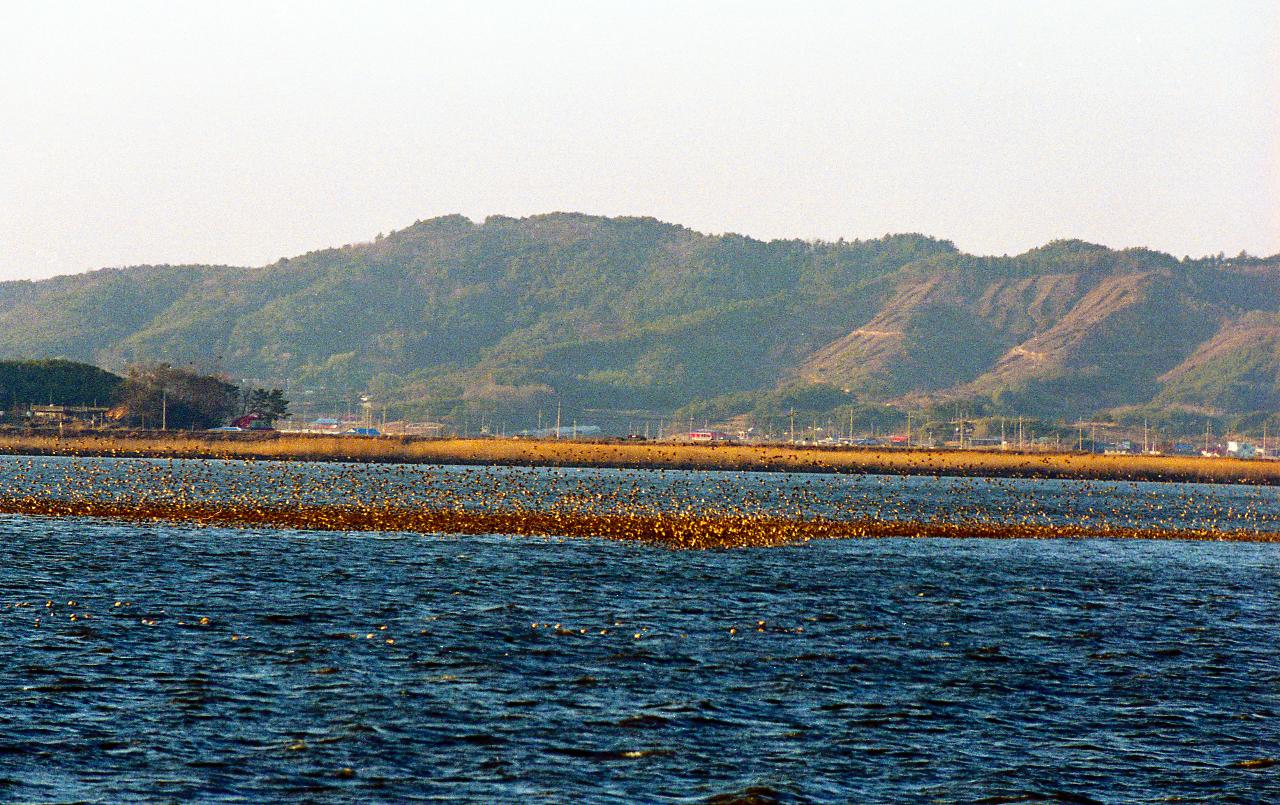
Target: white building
x=1241 y=450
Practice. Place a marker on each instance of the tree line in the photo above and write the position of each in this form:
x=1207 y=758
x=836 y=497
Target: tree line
x=149 y=395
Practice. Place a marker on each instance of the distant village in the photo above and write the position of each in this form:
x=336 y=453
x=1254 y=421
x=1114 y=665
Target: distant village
x=160 y=397
x=368 y=421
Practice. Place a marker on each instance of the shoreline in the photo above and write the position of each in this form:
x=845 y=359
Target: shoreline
x=701 y=531
x=275 y=446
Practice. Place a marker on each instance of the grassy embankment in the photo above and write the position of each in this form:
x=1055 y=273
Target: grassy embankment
x=650 y=455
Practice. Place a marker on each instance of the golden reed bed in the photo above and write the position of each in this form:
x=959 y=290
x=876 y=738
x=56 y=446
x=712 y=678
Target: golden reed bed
x=677 y=531
x=650 y=455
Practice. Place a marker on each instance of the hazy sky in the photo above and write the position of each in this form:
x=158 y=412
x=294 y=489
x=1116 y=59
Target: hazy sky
x=223 y=132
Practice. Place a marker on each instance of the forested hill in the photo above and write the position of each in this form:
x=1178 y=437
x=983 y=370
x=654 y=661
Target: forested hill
x=633 y=313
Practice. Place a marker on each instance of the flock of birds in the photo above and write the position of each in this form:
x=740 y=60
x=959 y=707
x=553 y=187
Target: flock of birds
x=675 y=509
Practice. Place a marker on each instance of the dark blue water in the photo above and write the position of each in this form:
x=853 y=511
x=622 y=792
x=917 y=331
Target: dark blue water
x=339 y=667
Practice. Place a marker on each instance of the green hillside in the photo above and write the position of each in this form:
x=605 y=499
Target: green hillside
x=633 y=313
x=1236 y=370
x=60 y=382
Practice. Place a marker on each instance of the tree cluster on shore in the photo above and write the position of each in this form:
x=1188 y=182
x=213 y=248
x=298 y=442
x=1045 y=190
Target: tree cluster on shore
x=149 y=396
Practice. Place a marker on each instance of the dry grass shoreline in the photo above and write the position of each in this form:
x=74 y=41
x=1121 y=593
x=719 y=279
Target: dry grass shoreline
x=646 y=455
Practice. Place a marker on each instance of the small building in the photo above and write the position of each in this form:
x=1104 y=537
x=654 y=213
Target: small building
x=986 y=442
x=565 y=432
x=252 y=421
x=89 y=415
x=433 y=429
x=1241 y=450
x=709 y=436
x=323 y=425
x=1123 y=447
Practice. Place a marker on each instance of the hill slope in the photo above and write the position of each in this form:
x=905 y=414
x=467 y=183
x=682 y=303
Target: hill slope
x=634 y=313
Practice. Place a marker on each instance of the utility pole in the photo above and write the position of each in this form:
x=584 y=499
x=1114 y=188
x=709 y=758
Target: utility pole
x=908 y=429
x=793 y=425
x=557 y=419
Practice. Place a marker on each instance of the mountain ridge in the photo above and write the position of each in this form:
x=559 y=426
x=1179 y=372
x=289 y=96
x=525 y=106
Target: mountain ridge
x=636 y=313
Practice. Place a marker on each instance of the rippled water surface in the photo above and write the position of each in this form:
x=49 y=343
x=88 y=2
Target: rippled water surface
x=174 y=663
